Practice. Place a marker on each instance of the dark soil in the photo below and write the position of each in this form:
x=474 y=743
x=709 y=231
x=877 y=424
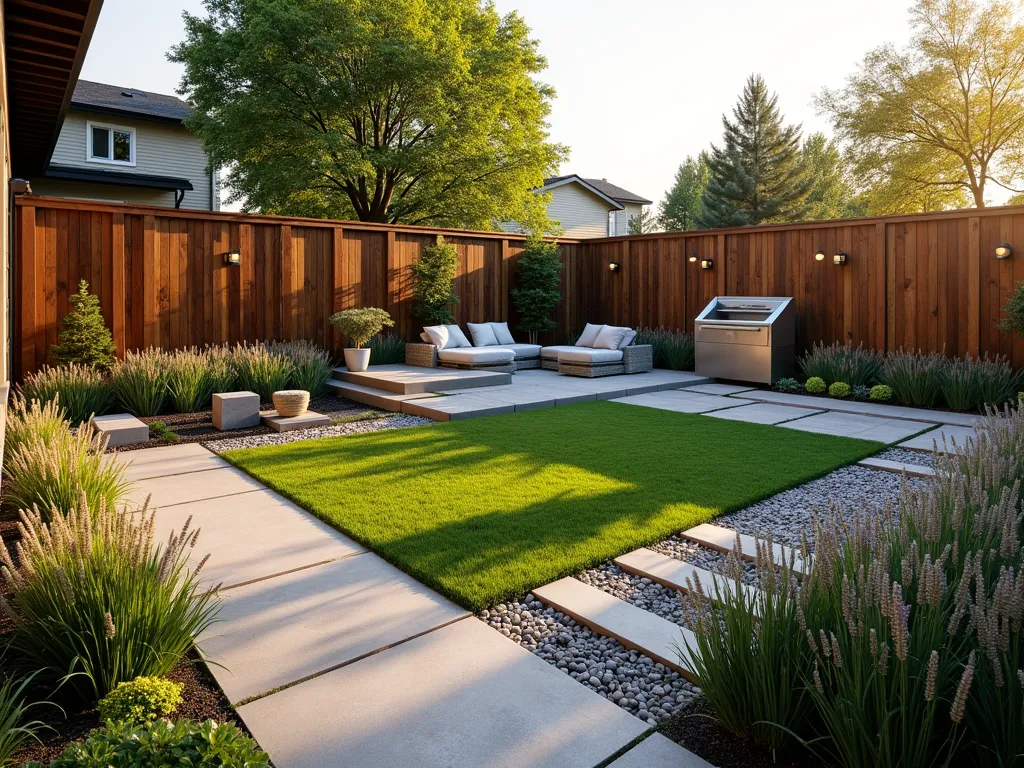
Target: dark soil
x=198 y=427
x=696 y=730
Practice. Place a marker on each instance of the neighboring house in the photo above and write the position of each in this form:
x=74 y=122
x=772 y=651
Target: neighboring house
x=129 y=146
x=591 y=207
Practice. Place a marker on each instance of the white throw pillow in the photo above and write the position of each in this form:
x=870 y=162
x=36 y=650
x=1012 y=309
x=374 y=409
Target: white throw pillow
x=610 y=337
x=456 y=337
x=426 y=339
x=589 y=335
x=483 y=335
x=438 y=335
x=627 y=339
x=502 y=333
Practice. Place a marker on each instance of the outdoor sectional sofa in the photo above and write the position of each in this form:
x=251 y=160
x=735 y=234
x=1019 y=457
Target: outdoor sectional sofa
x=451 y=349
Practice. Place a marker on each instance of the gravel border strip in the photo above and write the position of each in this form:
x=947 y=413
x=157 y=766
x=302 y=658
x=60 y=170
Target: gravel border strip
x=350 y=428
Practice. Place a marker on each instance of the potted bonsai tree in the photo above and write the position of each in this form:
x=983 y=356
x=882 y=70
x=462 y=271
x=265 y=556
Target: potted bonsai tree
x=360 y=325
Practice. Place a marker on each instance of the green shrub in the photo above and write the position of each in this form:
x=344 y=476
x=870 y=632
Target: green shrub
x=959 y=384
x=55 y=470
x=433 y=284
x=84 y=337
x=386 y=349
x=162 y=432
x=861 y=393
x=259 y=370
x=311 y=365
x=815 y=385
x=672 y=349
x=95 y=603
x=1014 y=310
x=538 y=287
x=360 y=325
x=189 y=384
x=162 y=744
x=839 y=389
x=83 y=391
x=836 y=362
x=141 y=700
x=140 y=381
x=915 y=378
x=881 y=393
x=15 y=727
x=26 y=420
x=791 y=386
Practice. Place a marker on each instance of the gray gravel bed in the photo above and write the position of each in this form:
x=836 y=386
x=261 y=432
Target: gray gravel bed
x=918 y=458
x=702 y=557
x=643 y=687
x=350 y=428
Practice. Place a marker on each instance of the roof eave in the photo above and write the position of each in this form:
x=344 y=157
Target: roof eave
x=80 y=106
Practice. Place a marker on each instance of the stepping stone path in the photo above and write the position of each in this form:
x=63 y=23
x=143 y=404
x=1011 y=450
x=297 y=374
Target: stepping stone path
x=898 y=467
x=946 y=438
x=724 y=540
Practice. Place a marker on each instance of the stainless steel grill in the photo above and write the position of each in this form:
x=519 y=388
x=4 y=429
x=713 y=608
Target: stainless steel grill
x=746 y=338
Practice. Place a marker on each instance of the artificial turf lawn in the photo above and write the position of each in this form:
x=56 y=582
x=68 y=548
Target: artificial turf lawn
x=486 y=509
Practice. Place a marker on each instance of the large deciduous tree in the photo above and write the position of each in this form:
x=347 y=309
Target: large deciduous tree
x=832 y=193
x=411 y=111
x=758 y=174
x=683 y=203
x=943 y=118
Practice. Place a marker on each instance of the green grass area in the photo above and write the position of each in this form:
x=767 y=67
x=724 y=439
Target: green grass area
x=486 y=509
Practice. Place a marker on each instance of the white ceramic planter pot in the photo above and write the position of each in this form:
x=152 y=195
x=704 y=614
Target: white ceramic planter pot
x=357 y=360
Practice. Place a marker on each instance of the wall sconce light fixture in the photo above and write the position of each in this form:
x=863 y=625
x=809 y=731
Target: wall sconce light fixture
x=1004 y=251
x=693 y=258
x=233 y=258
x=613 y=266
x=706 y=264
x=839 y=259
x=820 y=255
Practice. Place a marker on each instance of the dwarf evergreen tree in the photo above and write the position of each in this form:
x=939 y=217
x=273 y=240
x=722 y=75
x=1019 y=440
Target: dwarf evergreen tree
x=84 y=337
x=433 y=283
x=758 y=174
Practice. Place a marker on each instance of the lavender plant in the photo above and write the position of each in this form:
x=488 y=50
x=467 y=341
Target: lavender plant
x=855 y=366
x=915 y=377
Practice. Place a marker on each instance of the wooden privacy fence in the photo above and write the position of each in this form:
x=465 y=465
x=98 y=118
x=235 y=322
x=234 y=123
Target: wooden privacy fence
x=930 y=282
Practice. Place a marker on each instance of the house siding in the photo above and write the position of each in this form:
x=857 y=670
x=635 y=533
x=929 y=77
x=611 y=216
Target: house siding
x=622 y=217
x=160 y=150
x=580 y=212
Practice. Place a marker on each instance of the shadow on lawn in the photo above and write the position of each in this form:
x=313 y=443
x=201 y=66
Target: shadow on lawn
x=489 y=508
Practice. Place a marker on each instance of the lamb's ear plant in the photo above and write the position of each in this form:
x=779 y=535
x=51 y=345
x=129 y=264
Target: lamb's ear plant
x=140 y=381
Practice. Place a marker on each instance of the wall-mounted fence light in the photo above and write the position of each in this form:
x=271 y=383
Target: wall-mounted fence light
x=693 y=258
x=613 y=266
x=820 y=255
x=233 y=258
x=839 y=259
x=706 y=264
x=1004 y=251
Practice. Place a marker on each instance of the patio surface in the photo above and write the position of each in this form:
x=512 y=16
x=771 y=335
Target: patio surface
x=334 y=657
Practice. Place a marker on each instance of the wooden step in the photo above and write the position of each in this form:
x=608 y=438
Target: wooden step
x=898 y=467
x=674 y=574
x=724 y=540
x=634 y=627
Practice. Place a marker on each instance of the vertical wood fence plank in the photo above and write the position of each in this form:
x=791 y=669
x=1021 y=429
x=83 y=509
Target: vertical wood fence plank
x=973 y=285
x=119 y=288
x=150 y=335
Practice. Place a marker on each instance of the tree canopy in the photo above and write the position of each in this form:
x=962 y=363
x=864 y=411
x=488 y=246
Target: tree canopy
x=832 y=194
x=758 y=174
x=683 y=204
x=930 y=126
x=411 y=111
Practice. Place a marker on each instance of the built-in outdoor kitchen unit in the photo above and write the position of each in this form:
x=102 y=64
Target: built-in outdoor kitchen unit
x=746 y=338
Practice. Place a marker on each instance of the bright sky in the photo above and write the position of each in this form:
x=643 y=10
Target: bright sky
x=641 y=84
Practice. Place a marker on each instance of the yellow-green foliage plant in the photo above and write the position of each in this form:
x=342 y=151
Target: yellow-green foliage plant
x=141 y=700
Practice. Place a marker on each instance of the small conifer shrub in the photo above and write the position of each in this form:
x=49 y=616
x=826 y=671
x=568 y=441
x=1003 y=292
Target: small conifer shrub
x=84 y=336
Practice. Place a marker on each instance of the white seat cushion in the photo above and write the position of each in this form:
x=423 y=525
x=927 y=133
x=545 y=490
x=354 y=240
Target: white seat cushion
x=585 y=355
x=477 y=355
x=611 y=337
x=483 y=335
x=589 y=335
x=523 y=350
x=502 y=333
x=551 y=353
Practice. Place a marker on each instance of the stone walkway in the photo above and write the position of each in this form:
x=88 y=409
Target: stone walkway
x=334 y=657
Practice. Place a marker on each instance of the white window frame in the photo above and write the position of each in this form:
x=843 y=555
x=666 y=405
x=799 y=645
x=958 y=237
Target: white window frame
x=612 y=223
x=89 y=125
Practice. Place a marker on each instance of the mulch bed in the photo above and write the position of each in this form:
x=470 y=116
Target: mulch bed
x=696 y=730
x=198 y=427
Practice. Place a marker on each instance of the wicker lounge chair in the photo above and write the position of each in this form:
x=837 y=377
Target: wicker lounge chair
x=463 y=358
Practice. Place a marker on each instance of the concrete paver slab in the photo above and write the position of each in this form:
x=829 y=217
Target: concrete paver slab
x=284 y=629
x=459 y=697
x=121 y=429
x=658 y=751
x=897 y=467
x=254 y=536
x=764 y=413
x=675 y=574
x=407 y=379
x=682 y=402
x=291 y=423
x=724 y=540
x=172 y=460
x=868 y=409
x=719 y=389
x=942 y=439
x=859 y=426
x=173 y=489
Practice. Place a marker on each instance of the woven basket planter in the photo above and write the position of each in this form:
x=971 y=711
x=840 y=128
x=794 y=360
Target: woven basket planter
x=291 y=402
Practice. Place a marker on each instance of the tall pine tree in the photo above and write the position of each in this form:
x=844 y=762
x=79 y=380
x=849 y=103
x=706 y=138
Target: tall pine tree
x=683 y=204
x=758 y=175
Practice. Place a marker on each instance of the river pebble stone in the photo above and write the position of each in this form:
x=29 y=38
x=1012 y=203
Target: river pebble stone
x=334 y=430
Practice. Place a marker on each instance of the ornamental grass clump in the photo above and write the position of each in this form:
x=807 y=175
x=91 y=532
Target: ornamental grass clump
x=27 y=419
x=94 y=603
x=311 y=365
x=959 y=384
x=672 y=349
x=855 y=366
x=84 y=392
x=140 y=381
x=386 y=349
x=54 y=470
x=915 y=377
x=997 y=382
x=15 y=726
x=259 y=370
x=189 y=384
